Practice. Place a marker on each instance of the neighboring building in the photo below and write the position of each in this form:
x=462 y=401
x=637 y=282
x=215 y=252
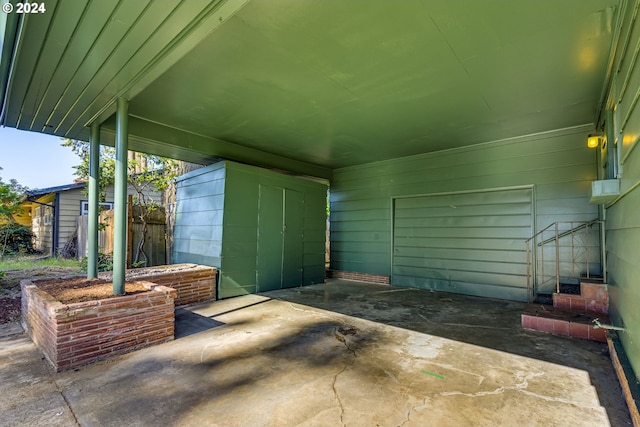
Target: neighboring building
x=53 y=213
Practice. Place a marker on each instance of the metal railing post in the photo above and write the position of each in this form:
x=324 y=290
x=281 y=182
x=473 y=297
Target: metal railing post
x=542 y=279
x=535 y=259
x=557 y=261
x=528 y=272
x=603 y=251
x=573 y=255
x=587 y=239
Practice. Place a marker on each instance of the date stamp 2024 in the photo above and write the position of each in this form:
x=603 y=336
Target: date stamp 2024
x=22 y=8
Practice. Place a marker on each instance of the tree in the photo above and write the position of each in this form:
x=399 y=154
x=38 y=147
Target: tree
x=19 y=236
x=10 y=196
x=147 y=173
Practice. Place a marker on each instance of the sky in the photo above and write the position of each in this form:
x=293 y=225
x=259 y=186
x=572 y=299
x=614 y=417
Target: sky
x=35 y=160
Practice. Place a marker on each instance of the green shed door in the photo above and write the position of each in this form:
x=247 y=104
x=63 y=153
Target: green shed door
x=293 y=238
x=270 y=238
x=280 y=219
x=470 y=243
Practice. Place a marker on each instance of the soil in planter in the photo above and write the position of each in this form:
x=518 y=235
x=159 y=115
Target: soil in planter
x=10 y=306
x=70 y=290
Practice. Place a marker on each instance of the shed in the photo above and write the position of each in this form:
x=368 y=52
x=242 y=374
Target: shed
x=262 y=229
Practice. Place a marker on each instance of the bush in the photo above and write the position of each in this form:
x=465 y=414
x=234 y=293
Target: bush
x=105 y=262
x=16 y=239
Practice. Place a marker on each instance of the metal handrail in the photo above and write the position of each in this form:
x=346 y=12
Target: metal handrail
x=570 y=232
x=582 y=225
x=532 y=255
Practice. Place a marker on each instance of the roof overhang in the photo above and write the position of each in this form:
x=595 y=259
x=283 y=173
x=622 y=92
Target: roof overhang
x=307 y=86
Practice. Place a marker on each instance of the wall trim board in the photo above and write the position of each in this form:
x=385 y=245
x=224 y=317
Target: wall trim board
x=623 y=53
x=482 y=190
x=611 y=62
x=573 y=130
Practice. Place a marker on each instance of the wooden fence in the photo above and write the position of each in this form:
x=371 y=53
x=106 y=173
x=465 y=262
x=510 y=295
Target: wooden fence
x=154 y=239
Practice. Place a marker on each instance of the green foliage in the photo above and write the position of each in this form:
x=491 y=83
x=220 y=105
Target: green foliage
x=146 y=174
x=16 y=239
x=139 y=264
x=10 y=196
x=107 y=164
x=105 y=262
x=19 y=262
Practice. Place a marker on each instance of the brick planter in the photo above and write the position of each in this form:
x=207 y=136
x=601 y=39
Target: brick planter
x=194 y=283
x=76 y=334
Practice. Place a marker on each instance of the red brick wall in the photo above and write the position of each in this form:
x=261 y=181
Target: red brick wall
x=361 y=277
x=76 y=334
x=194 y=283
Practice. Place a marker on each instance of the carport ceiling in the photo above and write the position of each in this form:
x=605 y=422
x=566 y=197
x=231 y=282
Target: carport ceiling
x=328 y=83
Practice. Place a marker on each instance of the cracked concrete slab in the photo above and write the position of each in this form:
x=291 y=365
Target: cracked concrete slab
x=341 y=353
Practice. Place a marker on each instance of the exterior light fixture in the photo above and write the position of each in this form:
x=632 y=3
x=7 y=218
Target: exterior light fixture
x=593 y=141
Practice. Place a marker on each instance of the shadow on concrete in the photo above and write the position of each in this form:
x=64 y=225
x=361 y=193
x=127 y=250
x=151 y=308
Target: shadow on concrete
x=280 y=363
x=175 y=387
x=485 y=322
x=189 y=323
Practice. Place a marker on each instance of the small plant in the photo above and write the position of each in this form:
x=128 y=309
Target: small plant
x=139 y=264
x=105 y=262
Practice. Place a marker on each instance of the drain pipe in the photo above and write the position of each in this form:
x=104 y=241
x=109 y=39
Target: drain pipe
x=599 y=325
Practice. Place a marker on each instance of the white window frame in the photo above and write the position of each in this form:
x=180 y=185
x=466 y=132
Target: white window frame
x=84 y=206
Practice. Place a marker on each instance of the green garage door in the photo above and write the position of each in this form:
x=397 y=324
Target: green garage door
x=470 y=243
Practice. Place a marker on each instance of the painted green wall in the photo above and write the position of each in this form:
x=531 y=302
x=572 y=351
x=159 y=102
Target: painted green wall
x=557 y=163
x=623 y=216
x=197 y=235
x=217 y=223
x=623 y=261
x=240 y=239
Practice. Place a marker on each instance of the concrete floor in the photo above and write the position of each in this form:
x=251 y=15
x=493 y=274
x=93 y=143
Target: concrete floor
x=340 y=353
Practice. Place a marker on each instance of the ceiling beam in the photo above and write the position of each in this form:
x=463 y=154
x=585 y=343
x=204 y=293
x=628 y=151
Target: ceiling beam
x=154 y=138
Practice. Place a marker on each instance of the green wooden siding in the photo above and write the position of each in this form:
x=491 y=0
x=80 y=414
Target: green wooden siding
x=468 y=242
x=558 y=164
x=250 y=264
x=623 y=218
x=197 y=235
x=262 y=229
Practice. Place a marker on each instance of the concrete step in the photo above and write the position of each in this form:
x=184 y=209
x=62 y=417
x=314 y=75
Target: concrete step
x=558 y=321
x=594 y=297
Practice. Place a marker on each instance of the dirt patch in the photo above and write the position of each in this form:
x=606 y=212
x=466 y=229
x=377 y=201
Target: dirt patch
x=10 y=282
x=9 y=310
x=80 y=289
x=10 y=293
x=10 y=288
